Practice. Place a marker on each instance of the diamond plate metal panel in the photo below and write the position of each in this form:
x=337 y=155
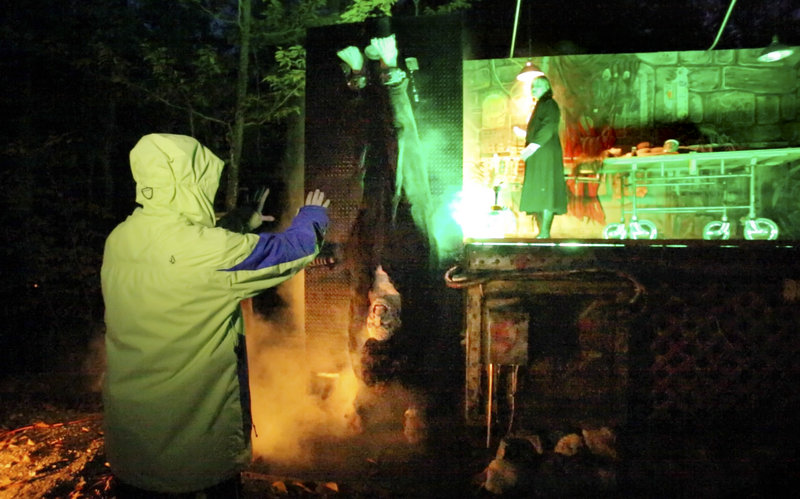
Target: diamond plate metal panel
x=341 y=131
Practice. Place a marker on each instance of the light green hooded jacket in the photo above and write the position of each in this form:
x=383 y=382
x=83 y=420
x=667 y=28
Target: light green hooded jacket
x=176 y=400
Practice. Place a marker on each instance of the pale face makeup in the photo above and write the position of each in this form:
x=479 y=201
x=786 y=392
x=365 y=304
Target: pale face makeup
x=539 y=87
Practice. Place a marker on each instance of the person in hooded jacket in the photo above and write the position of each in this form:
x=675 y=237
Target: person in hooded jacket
x=176 y=396
x=544 y=191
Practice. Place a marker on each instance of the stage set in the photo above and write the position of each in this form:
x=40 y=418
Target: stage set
x=665 y=298
x=666 y=145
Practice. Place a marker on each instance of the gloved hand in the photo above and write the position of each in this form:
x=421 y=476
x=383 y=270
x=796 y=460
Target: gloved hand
x=317 y=198
x=529 y=150
x=387 y=49
x=247 y=218
x=354 y=60
x=353 y=57
x=256 y=219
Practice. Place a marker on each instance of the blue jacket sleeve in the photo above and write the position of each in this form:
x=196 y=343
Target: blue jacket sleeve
x=303 y=238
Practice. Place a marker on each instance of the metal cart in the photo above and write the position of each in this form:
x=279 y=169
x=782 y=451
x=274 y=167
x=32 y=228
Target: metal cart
x=720 y=176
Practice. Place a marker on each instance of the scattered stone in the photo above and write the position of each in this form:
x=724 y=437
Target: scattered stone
x=569 y=445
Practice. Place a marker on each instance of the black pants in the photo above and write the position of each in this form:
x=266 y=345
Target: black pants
x=229 y=489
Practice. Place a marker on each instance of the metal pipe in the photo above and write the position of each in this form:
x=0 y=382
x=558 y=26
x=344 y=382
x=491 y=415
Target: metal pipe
x=512 y=398
x=489 y=406
x=752 y=167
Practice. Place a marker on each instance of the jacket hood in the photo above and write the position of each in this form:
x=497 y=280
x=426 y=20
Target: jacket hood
x=176 y=174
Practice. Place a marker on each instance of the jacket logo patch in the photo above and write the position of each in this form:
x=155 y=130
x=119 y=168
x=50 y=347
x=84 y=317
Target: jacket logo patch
x=147 y=192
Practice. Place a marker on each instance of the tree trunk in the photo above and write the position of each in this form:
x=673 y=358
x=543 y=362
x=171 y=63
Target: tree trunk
x=237 y=133
x=294 y=160
x=293 y=173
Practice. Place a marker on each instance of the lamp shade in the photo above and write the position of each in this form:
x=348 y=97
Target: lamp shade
x=529 y=72
x=775 y=51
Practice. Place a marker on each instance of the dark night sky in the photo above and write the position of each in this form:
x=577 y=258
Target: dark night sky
x=551 y=27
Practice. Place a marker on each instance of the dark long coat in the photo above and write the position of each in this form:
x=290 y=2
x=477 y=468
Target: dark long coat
x=544 y=187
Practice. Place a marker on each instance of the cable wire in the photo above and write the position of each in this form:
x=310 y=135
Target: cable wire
x=724 y=22
x=514 y=34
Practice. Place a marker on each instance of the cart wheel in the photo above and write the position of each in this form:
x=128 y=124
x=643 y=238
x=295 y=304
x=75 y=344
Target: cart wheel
x=643 y=229
x=718 y=229
x=760 y=229
x=615 y=231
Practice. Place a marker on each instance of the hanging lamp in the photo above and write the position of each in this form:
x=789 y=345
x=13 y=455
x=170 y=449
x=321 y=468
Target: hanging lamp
x=775 y=51
x=529 y=72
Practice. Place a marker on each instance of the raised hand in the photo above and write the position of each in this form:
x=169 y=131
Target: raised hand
x=317 y=198
x=260 y=206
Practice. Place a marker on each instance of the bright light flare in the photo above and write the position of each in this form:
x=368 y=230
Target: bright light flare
x=472 y=210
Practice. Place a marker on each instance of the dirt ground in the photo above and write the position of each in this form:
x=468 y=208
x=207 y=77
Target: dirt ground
x=51 y=449
x=51 y=446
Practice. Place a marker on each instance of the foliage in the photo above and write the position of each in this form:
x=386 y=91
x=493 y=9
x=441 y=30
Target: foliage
x=190 y=85
x=92 y=76
x=286 y=82
x=453 y=6
x=363 y=9
x=186 y=51
x=282 y=22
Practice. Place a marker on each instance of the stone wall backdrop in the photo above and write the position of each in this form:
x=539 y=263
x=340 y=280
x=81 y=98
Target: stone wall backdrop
x=720 y=100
